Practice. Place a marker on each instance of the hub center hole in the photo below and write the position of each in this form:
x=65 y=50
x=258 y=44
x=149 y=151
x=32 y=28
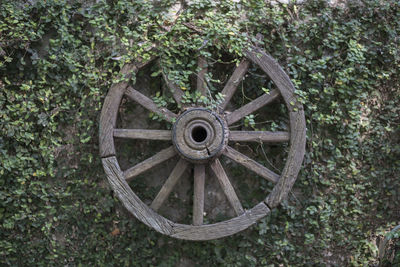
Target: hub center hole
x=199 y=134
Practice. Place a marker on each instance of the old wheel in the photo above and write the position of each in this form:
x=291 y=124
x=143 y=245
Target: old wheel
x=200 y=137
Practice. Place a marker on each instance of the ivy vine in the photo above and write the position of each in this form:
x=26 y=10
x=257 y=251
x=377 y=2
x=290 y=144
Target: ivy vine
x=58 y=58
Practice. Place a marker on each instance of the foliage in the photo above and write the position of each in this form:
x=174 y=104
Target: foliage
x=384 y=257
x=58 y=58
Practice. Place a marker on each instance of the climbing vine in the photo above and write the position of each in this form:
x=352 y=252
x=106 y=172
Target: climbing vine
x=58 y=59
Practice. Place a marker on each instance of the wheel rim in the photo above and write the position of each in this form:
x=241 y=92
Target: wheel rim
x=200 y=137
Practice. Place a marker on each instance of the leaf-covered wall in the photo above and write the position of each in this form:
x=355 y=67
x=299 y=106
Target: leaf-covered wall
x=58 y=59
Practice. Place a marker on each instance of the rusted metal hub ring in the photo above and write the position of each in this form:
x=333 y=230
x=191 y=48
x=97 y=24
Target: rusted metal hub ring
x=199 y=135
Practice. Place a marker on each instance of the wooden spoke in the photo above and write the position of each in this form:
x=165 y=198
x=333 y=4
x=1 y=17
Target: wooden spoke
x=177 y=93
x=148 y=103
x=198 y=198
x=227 y=186
x=143 y=134
x=251 y=107
x=251 y=164
x=149 y=163
x=257 y=136
x=201 y=77
x=234 y=81
x=166 y=189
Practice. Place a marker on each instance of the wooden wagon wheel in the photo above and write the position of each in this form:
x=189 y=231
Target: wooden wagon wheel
x=200 y=136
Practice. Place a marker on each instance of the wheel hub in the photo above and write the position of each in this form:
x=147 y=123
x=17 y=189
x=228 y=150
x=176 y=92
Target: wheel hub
x=199 y=135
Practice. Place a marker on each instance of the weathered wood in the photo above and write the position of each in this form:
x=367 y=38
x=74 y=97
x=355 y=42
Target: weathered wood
x=149 y=163
x=215 y=135
x=118 y=179
x=277 y=75
x=226 y=186
x=251 y=164
x=221 y=229
x=234 y=81
x=294 y=160
x=258 y=136
x=131 y=201
x=198 y=196
x=109 y=112
x=166 y=189
x=143 y=134
x=177 y=93
x=201 y=76
x=251 y=107
x=149 y=104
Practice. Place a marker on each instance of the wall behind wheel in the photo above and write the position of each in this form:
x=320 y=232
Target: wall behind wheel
x=57 y=62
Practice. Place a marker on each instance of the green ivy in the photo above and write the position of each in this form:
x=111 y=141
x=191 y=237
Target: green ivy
x=58 y=59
